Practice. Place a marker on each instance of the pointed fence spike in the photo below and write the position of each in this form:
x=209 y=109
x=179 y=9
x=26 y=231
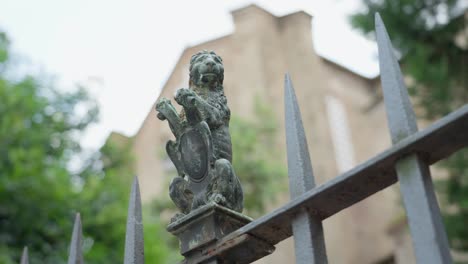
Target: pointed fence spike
x=400 y=113
x=134 y=246
x=307 y=229
x=76 y=253
x=423 y=213
x=24 y=256
x=299 y=164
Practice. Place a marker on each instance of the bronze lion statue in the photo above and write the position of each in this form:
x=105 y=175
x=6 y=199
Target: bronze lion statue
x=202 y=151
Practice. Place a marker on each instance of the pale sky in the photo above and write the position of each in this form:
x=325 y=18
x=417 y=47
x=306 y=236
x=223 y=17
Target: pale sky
x=124 y=51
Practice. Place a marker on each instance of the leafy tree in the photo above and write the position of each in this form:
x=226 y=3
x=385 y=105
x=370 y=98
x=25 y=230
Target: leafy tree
x=39 y=194
x=428 y=33
x=431 y=36
x=38 y=127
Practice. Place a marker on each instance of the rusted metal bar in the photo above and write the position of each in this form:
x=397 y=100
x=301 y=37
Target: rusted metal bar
x=24 y=256
x=361 y=182
x=425 y=222
x=76 y=253
x=309 y=240
x=134 y=244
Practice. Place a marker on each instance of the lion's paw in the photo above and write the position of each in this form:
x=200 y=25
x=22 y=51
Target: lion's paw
x=185 y=97
x=162 y=103
x=218 y=198
x=176 y=217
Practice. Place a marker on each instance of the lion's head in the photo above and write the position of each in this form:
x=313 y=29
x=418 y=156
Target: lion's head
x=206 y=69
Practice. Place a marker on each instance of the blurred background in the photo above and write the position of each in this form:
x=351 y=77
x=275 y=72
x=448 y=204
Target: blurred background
x=79 y=79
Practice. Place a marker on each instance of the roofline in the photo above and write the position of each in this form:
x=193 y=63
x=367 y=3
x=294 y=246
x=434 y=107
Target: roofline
x=199 y=45
x=341 y=66
x=242 y=8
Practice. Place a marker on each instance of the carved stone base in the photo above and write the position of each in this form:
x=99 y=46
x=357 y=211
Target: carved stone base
x=204 y=226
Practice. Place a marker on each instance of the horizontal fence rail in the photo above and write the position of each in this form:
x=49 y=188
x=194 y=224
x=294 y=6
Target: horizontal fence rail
x=435 y=143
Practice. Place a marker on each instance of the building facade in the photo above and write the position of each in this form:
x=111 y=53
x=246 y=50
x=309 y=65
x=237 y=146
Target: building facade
x=344 y=120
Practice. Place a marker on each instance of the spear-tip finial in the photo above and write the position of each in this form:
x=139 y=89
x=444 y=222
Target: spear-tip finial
x=76 y=253
x=300 y=172
x=134 y=246
x=400 y=113
x=24 y=256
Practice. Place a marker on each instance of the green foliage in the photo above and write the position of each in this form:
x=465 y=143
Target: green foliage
x=103 y=202
x=425 y=32
x=39 y=194
x=105 y=198
x=456 y=193
x=254 y=161
x=160 y=245
x=38 y=128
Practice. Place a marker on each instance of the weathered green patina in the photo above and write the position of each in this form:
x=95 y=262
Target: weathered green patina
x=202 y=151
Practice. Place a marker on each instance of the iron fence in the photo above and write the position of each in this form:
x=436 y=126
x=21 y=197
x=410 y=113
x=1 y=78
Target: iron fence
x=406 y=162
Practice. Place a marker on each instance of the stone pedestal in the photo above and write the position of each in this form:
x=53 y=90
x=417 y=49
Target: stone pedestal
x=204 y=226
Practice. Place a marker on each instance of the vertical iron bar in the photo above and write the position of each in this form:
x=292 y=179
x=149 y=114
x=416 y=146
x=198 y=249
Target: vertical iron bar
x=307 y=229
x=24 y=256
x=134 y=245
x=76 y=254
x=425 y=222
